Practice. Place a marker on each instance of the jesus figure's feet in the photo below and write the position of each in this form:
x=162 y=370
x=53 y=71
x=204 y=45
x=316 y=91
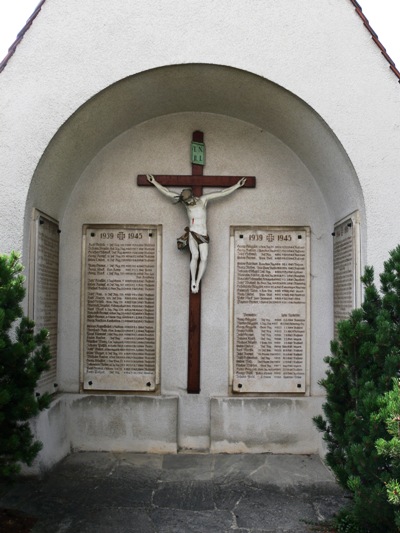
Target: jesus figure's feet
x=195 y=288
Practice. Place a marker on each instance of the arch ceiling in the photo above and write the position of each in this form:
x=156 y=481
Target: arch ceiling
x=193 y=88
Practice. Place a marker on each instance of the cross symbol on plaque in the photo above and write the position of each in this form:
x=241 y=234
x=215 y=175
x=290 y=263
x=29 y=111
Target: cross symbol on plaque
x=196 y=181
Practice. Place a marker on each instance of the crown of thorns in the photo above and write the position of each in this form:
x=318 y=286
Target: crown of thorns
x=185 y=195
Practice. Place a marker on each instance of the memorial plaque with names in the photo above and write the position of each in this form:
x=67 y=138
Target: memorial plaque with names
x=120 y=338
x=346 y=267
x=270 y=309
x=43 y=292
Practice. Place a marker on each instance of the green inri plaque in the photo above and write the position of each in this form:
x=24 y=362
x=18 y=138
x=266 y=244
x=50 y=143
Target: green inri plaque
x=198 y=153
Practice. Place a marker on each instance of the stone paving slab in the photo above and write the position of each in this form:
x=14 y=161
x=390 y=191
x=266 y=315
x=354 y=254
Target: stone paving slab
x=184 y=493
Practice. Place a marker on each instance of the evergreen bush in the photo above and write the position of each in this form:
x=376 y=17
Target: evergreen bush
x=24 y=355
x=389 y=413
x=364 y=359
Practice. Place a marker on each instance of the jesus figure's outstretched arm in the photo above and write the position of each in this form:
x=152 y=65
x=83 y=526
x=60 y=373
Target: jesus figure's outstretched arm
x=225 y=192
x=163 y=190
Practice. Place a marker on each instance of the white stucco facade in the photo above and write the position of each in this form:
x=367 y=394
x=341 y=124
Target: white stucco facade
x=296 y=94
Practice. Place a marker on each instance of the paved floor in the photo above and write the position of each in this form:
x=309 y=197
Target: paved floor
x=188 y=493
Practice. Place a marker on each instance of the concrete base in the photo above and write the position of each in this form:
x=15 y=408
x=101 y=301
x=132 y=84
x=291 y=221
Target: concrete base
x=124 y=423
x=76 y=422
x=149 y=424
x=262 y=425
x=52 y=429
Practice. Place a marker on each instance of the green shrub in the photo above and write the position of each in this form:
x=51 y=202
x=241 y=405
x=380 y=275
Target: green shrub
x=389 y=413
x=364 y=360
x=24 y=355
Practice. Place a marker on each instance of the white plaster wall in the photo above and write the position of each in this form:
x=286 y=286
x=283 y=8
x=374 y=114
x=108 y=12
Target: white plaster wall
x=317 y=49
x=286 y=194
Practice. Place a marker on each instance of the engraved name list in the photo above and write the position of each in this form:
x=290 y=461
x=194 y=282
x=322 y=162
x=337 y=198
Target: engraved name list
x=270 y=309
x=121 y=308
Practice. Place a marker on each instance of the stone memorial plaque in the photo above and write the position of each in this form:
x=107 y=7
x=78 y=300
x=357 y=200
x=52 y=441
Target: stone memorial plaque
x=121 y=307
x=270 y=309
x=346 y=267
x=43 y=293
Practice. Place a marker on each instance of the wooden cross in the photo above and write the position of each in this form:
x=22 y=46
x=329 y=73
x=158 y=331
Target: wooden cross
x=196 y=181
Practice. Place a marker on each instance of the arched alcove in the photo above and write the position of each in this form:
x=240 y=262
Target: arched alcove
x=143 y=124
x=194 y=88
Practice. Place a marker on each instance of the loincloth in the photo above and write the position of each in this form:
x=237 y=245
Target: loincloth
x=183 y=241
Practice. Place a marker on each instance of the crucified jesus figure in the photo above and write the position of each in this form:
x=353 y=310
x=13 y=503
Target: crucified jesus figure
x=196 y=233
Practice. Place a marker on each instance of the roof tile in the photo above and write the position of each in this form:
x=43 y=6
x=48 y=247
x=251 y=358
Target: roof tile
x=375 y=38
x=20 y=36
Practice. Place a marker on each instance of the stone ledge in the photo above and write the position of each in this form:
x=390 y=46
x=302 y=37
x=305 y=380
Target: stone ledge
x=123 y=423
x=265 y=425
x=98 y=422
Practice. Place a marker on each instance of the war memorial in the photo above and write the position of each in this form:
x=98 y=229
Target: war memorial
x=195 y=192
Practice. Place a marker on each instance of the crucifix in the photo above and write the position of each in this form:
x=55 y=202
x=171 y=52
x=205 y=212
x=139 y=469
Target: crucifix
x=196 y=234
